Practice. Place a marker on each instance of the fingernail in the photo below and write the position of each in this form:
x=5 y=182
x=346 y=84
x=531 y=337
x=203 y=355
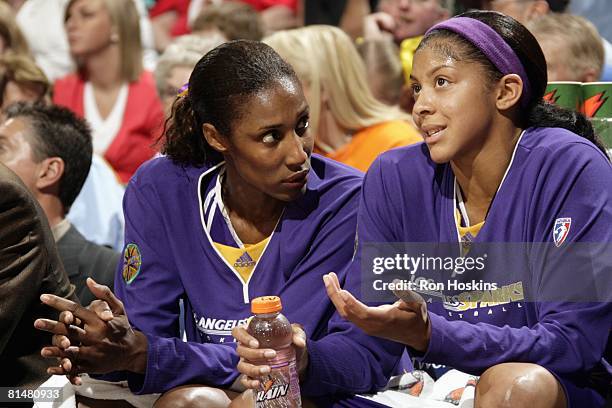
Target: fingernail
x=65 y=343
x=45 y=298
x=264 y=370
x=38 y=324
x=254 y=344
x=46 y=353
x=270 y=354
x=325 y=279
x=107 y=314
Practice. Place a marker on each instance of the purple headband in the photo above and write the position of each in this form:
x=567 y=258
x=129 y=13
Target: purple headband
x=492 y=46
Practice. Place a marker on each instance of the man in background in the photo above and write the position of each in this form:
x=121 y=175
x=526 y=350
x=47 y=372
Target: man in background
x=572 y=47
x=526 y=11
x=404 y=19
x=50 y=149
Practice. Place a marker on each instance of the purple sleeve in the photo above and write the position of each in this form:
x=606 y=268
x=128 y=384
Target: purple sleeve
x=566 y=337
x=347 y=360
x=151 y=301
x=569 y=338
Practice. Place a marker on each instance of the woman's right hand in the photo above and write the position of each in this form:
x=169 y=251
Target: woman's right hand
x=248 y=350
x=102 y=343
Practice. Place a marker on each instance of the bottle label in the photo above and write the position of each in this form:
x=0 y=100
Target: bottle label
x=280 y=388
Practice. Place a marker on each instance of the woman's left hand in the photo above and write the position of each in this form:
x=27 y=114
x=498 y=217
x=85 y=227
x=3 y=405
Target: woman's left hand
x=249 y=352
x=402 y=322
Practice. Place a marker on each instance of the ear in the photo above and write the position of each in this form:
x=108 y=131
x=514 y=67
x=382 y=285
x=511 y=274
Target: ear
x=509 y=92
x=214 y=138
x=50 y=172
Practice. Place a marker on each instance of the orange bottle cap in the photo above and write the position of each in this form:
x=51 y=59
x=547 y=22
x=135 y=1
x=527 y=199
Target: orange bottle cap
x=266 y=304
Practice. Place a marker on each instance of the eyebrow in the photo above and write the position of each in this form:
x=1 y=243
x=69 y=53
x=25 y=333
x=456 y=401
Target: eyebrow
x=303 y=112
x=433 y=70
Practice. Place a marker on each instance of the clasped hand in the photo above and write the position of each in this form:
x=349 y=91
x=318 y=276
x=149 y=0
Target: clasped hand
x=97 y=339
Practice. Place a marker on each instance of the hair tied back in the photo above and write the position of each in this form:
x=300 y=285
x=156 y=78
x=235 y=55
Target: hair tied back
x=183 y=90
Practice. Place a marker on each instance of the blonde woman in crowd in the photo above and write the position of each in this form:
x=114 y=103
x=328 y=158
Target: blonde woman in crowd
x=110 y=88
x=11 y=37
x=350 y=124
x=383 y=68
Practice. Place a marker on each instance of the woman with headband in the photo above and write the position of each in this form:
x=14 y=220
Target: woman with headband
x=498 y=166
x=237 y=208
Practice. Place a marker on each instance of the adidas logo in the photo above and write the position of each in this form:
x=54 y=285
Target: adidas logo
x=244 y=261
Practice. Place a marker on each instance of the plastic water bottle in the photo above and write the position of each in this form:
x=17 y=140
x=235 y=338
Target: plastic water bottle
x=280 y=388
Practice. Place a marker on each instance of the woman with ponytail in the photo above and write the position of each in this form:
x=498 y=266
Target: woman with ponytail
x=237 y=208
x=499 y=166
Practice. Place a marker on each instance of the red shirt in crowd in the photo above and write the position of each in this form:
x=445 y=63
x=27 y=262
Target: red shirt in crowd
x=141 y=126
x=180 y=7
x=260 y=5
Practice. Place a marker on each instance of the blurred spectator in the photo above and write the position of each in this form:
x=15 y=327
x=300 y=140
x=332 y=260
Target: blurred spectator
x=526 y=10
x=50 y=150
x=169 y=19
x=97 y=212
x=111 y=89
x=11 y=37
x=349 y=123
x=42 y=24
x=383 y=69
x=404 y=19
x=29 y=267
x=21 y=80
x=275 y=14
x=405 y=22
x=347 y=14
x=529 y=10
x=571 y=45
x=353 y=15
x=177 y=62
x=232 y=19
x=599 y=13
